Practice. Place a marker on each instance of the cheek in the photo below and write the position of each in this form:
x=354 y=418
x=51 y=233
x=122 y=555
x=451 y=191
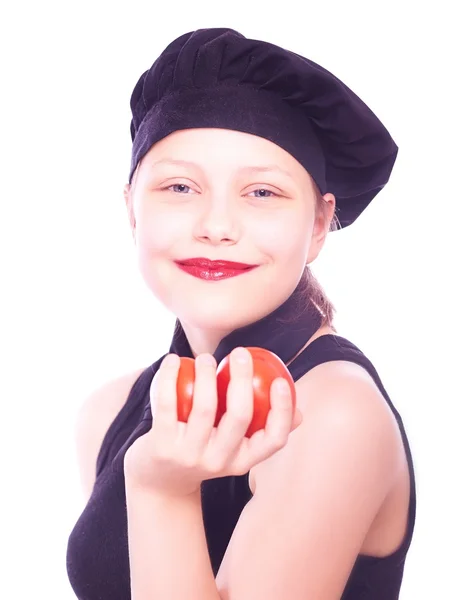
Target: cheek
x=158 y=235
x=159 y=230
x=284 y=237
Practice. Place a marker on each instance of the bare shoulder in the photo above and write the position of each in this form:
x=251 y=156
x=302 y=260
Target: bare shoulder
x=340 y=381
x=339 y=398
x=327 y=373
x=345 y=389
x=97 y=413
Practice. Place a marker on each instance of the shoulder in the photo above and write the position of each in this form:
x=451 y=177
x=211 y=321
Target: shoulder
x=346 y=420
x=339 y=383
x=343 y=394
x=332 y=375
x=340 y=377
x=97 y=412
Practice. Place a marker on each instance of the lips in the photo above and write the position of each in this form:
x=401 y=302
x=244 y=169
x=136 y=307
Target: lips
x=205 y=263
x=213 y=270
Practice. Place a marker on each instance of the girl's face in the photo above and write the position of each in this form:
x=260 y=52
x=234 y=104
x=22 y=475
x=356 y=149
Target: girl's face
x=223 y=195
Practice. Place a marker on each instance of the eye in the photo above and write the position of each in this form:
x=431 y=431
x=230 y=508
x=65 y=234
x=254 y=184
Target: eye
x=178 y=188
x=264 y=193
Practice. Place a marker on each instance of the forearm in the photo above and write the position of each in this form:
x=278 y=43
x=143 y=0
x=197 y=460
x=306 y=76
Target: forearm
x=168 y=551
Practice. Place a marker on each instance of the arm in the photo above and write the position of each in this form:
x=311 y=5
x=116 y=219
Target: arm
x=167 y=548
x=320 y=493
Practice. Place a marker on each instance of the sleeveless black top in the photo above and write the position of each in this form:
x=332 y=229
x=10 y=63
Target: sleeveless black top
x=97 y=553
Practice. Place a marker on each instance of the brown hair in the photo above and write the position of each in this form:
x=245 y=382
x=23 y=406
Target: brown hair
x=311 y=288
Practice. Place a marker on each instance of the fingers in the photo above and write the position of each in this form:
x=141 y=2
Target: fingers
x=280 y=418
x=224 y=448
x=201 y=420
x=164 y=397
x=239 y=409
x=275 y=435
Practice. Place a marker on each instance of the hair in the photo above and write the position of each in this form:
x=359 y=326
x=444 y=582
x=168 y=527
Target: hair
x=311 y=288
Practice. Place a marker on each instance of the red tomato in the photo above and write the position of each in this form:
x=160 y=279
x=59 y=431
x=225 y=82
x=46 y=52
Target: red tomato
x=185 y=388
x=267 y=366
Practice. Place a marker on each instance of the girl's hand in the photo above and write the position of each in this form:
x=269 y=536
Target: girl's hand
x=173 y=458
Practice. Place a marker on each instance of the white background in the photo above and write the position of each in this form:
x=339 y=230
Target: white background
x=75 y=311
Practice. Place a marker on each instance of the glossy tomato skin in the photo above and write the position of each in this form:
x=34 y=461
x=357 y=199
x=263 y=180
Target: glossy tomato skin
x=185 y=388
x=267 y=366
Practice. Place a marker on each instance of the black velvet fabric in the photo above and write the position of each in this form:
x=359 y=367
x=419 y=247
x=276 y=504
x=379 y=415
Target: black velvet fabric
x=218 y=78
x=97 y=553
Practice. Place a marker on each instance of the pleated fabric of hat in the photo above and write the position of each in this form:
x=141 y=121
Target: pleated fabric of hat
x=220 y=79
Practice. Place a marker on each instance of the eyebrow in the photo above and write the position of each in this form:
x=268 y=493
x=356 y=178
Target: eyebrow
x=247 y=169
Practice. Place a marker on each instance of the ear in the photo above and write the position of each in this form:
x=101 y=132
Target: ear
x=130 y=208
x=321 y=227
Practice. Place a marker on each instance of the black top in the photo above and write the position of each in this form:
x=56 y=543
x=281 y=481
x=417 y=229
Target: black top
x=97 y=555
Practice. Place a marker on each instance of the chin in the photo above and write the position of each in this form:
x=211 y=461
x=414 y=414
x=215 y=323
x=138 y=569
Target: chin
x=221 y=305
x=222 y=309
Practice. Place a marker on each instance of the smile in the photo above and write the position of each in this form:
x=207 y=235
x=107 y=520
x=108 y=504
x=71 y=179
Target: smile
x=213 y=270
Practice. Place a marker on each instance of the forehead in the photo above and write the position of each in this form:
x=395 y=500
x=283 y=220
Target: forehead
x=234 y=150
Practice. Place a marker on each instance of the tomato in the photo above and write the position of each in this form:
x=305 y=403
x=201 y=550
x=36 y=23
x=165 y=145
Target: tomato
x=185 y=388
x=267 y=366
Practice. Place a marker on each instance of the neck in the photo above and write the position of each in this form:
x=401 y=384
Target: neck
x=201 y=342
x=284 y=331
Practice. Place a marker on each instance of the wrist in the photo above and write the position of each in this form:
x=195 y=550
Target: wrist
x=159 y=496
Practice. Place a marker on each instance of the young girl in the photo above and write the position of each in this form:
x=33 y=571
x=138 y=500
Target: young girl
x=245 y=156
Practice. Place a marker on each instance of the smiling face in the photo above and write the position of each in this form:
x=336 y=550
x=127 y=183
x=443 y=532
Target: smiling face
x=223 y=195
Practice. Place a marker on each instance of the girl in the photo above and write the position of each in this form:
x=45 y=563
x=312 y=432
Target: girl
x=244 y=157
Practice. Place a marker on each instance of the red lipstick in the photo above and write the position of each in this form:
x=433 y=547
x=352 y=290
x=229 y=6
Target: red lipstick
x=213 y=270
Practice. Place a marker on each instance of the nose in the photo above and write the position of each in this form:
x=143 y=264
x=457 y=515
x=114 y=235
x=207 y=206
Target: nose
x=218 y=225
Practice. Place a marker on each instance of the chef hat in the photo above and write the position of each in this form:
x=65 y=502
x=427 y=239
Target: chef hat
x=218 y=78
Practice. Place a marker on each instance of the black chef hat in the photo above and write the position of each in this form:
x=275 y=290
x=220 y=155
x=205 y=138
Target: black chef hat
x=218 y=78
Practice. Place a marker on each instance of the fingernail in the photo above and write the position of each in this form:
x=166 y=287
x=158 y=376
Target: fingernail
x=241 y=355
x=206 y=359
x=283 y=387
x=172 y=360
